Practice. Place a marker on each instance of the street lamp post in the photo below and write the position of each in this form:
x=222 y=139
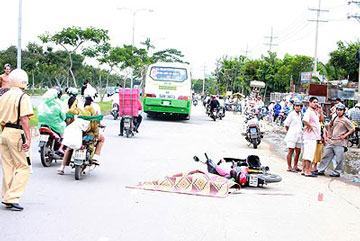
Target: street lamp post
x=134 y=12
x=19 y=36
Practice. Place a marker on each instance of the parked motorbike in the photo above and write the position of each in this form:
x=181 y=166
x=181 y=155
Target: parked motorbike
x=115 y=111
x=281 y=118
x=253 y=134
x=246 y=172
x=49 y=144
x=354 y=138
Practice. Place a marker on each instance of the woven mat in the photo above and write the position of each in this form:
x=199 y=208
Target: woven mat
x=194 y=183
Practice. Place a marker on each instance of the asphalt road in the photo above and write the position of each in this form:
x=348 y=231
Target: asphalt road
x=101 y=208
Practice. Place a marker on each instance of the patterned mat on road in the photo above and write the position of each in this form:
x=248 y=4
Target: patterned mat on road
x=194 y=183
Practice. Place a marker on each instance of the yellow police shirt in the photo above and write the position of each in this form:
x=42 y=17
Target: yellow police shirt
x=9 y=106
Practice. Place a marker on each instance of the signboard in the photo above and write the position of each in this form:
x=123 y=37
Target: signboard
x=317 y=90
x=306 y=77
x=347 y=94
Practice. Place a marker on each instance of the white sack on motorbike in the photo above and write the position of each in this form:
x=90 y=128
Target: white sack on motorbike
x=73 y=133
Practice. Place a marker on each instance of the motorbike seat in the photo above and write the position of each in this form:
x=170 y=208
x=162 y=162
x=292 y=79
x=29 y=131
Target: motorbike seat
x=88 y=138
x=47 y=129
x=253 y=161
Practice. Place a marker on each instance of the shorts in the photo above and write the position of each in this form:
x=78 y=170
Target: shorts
x=309 y=150
x=292 y=145
x=318 y=152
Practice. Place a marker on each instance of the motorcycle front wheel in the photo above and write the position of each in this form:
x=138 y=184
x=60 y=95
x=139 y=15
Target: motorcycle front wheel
x=77 y=172
x=270 y=178
x=255 y=143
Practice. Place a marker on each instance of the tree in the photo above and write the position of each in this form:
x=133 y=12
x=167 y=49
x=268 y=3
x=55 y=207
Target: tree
x=76 y=40
x=344 y=60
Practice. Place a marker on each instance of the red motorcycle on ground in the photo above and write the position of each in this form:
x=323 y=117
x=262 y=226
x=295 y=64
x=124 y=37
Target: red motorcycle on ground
x=246 y=172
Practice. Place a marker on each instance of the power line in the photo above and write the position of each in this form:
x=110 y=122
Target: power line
x=355 y=16
x=271 y=38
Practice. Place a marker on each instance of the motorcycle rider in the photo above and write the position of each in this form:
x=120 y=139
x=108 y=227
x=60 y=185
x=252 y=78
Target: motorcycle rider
x=51 y=113
x=214 y=103
x=136 y=120
x=90 y=109
x=277 y=110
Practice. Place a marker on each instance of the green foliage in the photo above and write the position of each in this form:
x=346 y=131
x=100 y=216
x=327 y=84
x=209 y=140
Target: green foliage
x=343 y=59
x=73 y=40
x=235 y=74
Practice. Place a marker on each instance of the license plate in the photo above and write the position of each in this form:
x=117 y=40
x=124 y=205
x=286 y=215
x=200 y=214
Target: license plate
x=166 y=103
x=127 y=124
x=44 y=138
x=80 y=155
x=253 y=180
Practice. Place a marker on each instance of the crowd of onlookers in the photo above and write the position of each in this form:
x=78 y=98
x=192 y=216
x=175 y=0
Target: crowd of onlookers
x=320 y=142
x=320 y=138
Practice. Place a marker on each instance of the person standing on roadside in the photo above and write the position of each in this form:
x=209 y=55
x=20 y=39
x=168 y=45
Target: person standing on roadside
x=340 y=128
x=293 y=138
x=311 y=134
x=16 y=109
x=4 y=79
x=320 y=142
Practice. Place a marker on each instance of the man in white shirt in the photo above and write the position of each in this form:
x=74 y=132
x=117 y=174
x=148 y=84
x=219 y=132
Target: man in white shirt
x=293 y=138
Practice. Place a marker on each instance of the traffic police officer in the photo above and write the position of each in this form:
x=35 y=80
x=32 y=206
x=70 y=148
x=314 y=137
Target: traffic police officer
x=15 y=110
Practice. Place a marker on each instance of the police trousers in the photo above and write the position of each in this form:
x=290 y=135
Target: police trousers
x=16 y=170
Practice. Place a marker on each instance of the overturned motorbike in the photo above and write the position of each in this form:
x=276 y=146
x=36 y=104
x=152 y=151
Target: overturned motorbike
x=253 y=134
x=246 y=172
x=49 y=144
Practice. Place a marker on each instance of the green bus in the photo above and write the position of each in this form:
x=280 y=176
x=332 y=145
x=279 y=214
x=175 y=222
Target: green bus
x=167 y=90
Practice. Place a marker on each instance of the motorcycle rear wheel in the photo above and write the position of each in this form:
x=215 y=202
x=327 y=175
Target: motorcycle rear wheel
x=46 y=160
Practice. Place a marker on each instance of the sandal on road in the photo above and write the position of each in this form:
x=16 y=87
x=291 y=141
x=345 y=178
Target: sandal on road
x=60 y=172
x=290 y=170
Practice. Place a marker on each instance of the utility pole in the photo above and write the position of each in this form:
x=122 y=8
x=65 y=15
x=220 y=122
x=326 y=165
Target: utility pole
x=246 y=51
x=19 y=36
x=203 y=87
x=271 y=39
x=317 y=20
x=355 y=16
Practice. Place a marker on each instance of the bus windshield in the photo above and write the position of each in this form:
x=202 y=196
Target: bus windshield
x=168 y=74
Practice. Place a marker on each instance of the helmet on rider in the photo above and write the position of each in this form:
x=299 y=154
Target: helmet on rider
x=340 y=106
x=72 y=91
x=297 y=102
